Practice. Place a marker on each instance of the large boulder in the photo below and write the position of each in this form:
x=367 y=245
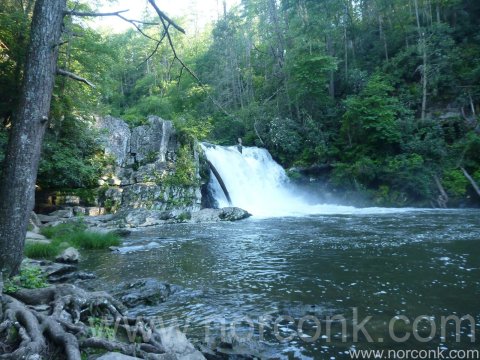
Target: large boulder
x=176 y=343
x=233 y=214
x=32 y=237
x=225 y=214
x=68 y=256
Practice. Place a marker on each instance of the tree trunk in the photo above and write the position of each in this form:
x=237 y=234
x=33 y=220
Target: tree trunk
x=439 y=20
x=17 y=188
x=472 y=181
x=424 y=76
x=422 y=44
x=330 y=51
x=442 y=199
x=383 y=36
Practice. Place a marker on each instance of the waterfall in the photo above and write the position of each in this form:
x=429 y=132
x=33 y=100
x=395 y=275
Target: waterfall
x=256 y=183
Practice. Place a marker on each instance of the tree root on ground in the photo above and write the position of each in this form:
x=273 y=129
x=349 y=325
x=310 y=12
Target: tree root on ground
x=63 y=319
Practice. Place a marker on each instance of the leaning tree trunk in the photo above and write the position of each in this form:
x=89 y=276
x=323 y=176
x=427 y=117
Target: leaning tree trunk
x=17 y=188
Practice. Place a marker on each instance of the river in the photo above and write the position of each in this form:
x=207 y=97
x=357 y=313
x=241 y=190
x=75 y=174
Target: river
x=272 y=276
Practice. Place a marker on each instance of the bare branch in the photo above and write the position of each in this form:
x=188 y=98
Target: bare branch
x=156 y=48
x=134 y=23
x=163 y=16
x=93 y=14
x=74 y=77
x=2 y=45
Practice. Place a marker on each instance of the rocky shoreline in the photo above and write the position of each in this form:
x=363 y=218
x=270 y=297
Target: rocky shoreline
x=130 y=219
x=65 y=321
x=70 y=310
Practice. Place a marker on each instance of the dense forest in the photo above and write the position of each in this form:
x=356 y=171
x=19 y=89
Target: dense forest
x=381 y=94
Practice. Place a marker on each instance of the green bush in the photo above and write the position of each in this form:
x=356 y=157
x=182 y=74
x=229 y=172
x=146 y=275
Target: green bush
x=29 y=278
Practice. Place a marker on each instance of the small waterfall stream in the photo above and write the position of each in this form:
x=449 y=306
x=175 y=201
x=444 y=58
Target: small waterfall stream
x=256 y=183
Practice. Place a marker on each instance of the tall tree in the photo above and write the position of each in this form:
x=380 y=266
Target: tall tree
x=23 y=152
x=17 y=187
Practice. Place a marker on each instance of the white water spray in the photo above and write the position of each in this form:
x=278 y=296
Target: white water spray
x=256 y=183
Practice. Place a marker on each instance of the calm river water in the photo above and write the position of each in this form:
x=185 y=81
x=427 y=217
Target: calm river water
x=293 y=287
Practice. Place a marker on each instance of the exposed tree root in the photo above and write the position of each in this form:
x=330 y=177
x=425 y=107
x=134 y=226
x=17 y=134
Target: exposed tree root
x=144 y=351
x=61 y=316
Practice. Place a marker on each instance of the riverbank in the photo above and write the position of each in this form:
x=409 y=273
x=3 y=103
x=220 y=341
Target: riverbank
x=46 y=313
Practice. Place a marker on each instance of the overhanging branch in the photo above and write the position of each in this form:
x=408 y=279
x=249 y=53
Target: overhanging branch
x=93 y=14
x=164 y=16
x=74 y=77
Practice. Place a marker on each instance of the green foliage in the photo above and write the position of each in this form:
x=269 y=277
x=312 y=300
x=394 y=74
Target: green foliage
x=99 y=328
x=285 y=137
x=370 y=120
x=29 y=278
x=71 y=158
x=184 y=217
x=185 y=170
x=191 y=129
x=455 y=183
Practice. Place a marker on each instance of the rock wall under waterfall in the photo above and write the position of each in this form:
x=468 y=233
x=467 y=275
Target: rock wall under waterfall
x=144 y=168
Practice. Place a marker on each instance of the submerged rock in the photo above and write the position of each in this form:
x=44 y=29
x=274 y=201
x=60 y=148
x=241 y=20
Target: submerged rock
x=145 y=292
x=135 y=248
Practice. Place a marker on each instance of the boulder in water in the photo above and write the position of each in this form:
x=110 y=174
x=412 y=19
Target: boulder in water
x=225 y=214
x=233 y=214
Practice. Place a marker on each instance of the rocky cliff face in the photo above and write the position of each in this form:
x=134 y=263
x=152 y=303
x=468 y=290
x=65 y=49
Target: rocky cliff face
x=146 y=162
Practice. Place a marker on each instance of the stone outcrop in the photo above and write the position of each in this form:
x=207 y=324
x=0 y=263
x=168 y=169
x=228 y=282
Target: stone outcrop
x=144 y=161
x=116 y=138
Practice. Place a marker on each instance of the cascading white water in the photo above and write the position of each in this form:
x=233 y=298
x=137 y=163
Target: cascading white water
x=256 y=183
